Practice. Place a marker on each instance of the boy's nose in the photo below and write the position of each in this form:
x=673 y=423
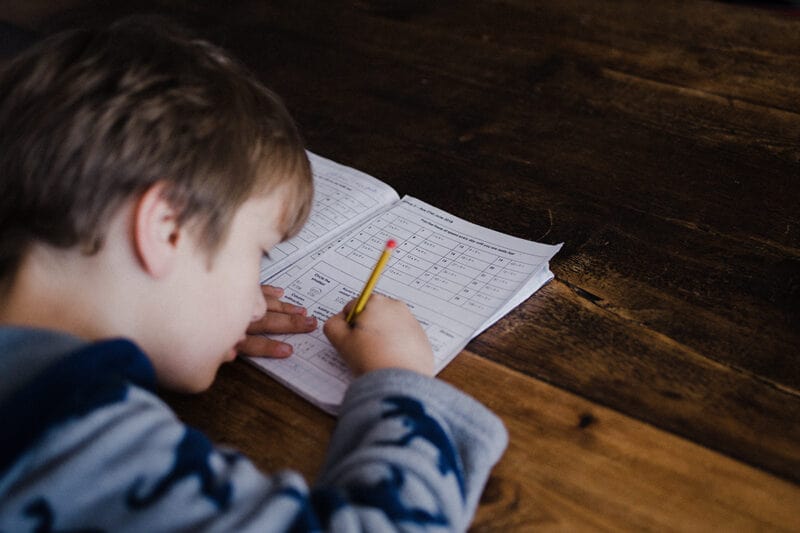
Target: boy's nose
x=260 y=306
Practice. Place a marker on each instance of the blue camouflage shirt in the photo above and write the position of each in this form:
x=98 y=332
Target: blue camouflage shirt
x=86 y=445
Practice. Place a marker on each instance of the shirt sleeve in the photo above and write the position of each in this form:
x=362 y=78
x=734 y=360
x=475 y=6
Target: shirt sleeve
x=414 y=447
x=409 y=453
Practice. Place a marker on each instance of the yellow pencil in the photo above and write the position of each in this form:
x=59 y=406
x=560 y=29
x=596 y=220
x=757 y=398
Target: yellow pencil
x=373 y=279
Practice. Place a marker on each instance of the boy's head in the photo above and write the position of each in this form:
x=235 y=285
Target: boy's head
x=134 y=122
x=92 y=118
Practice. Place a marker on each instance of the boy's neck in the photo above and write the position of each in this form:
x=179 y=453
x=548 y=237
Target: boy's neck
x=91 y=296
x=60 y=290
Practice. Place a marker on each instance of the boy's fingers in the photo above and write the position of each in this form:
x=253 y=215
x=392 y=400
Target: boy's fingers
x=271 y=292
x=348 y=306
x=258 y=346
x=274 y=322
x=273 y=304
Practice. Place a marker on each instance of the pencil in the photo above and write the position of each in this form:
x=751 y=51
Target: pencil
x=373 y=279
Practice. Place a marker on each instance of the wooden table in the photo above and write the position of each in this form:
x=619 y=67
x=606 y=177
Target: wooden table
x=655 y=383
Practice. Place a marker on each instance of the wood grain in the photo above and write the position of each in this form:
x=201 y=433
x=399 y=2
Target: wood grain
x=573 y=465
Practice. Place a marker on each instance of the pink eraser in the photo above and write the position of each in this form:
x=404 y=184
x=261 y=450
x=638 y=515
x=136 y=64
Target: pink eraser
x=391 y=243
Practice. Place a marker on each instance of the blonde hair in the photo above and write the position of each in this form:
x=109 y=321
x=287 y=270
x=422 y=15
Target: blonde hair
x=91 y=118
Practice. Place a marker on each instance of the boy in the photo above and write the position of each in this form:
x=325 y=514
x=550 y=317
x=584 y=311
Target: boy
x=142 y=176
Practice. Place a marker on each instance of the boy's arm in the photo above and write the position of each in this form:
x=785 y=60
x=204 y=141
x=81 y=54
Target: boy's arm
x=409 y=452
x=401 y=458
x=412 y=448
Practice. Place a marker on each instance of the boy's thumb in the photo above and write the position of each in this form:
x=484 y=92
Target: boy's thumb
x=336 y=327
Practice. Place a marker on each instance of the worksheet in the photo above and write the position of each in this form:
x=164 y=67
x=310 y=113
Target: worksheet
x=343 y=197
x=458 y=278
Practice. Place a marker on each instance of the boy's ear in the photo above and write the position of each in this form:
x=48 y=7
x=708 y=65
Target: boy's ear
x=155 y=231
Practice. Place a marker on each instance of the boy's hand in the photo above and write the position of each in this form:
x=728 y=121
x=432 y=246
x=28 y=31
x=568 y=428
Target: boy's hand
x=384 y=335
x=281 y=317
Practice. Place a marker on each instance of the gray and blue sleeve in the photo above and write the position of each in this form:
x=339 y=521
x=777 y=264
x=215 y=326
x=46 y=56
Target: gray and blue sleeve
x=409 y=453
